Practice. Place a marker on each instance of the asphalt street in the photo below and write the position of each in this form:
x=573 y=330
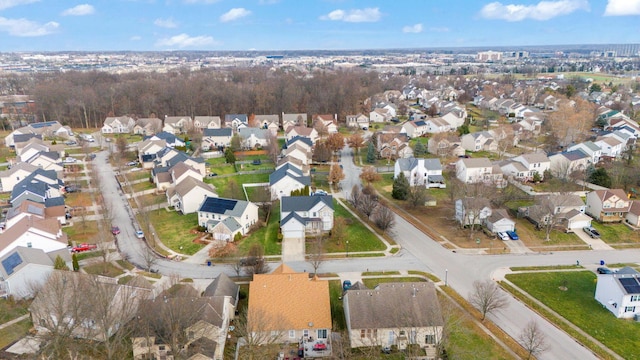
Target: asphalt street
x=419 y=252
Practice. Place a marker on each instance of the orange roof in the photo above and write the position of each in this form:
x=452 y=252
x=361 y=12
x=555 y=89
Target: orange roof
x=287 y=300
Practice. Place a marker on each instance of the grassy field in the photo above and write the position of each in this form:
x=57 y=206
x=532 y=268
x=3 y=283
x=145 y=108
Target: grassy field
x=81 y=231
x=616 y=233
x=174 y=230
x=554 y=185
x=104 y=269
x=15 y=332
x=223 y=169
x=10 y=309
x=221 y=183
x=267 y=236
x=360 y=238
x=143 y=186
x=578 y=305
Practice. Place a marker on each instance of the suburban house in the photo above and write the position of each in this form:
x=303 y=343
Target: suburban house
x=611 y=147
x=299 y=152
x=436 y=125
x=252 y=138
x=170 y=139
x=177 y=124
x=394 y=315
x=267 y=122
x=30 y=208
x=24 y=269
x=397 y=147
x=39 y=130
x=31 y=148
x=329 y=122
x=31 y=232
x=181 y=171
x=303 y=131
x=611 y=205
x=147 y=126
x=118 y=125
x=279 y=309
x=213 y=139
x=65 y=301
x=207 y=122
x=289 y=120
x=479 y=170
x=479 y=141
x=564 y=164
x=422 y=172
x=236 y=121
x=47 y=161
x=304 y=142
x=445 y=144
x=305 y=215
x=472 y=210
x=590 y=148
x=532 y=164
x=359 y=121
x=633 y=216
x=414 y=129
x=227 y=217
x=620 y=292
x=18 y=172
x=286 y=179
x=499 y=221
x=291 y=161
x=171 y=158
x=186 y=196
x=37 y=187
x=147 y=151
x=379 y=115
x=567 y=209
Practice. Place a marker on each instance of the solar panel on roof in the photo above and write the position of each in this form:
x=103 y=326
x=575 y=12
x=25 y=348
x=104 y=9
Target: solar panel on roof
x=218 y=206
x=11 y=262
x=631 y=285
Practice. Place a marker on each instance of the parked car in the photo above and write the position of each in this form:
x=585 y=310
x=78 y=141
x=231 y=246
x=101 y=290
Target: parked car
x=346 y=285
x=115 y=230
x=503 y=236
x=92 y=156
x=69 y=160
x=132 y=163
x=604 y=270
x=107 y=139
x=513 y=235
x=71 y=188
x=71 y=143
x=212 y=174
x=83 y=247
x=591 y=232
x=256 y=162
x=139 y=234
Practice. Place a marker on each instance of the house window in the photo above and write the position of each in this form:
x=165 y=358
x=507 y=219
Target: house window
x=322 y=333
x=635 y=298
x=292 y=334
x=161 y=347
x=29 y=244
x=429 y=339
x=363 y=334
x=629 y=308
x=403 y=333
x=305 y=333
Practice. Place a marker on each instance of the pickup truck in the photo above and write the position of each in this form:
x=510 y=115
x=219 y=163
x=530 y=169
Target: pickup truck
x=591 y=232
x=83 y=247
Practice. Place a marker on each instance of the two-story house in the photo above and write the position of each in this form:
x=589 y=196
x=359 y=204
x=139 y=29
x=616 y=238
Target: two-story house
x=620 y=292
x=302 y=215
x=590 y=148
x=214 y=139
x=479 y=170
x=532 y=163
x=611 y=205
x=289 y=120
x=236 y=121
x=254 y=137
x=118 y=125
x=421 y=172
x=227 y=217
x=207 y=122
x=479 y=141
x=286 y=179
x=359 y=121
x=415 y=128
x=177 y=124
x=566 y=163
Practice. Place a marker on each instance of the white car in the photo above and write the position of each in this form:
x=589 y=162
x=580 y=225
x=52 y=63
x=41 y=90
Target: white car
x=503 y=236
x=69 y=160
x=139 y=234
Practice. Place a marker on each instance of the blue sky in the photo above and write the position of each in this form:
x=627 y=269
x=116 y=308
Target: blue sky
x=148 y=25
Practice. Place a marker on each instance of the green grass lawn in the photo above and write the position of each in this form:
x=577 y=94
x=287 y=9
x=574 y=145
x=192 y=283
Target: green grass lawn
x=577 y=304
x=267 y=236
x=10 y=309
x=554 y=185
x=104 y=269
x=81 y=231
x=360 y=238
x=223 y=169
x=320 y=181
x=174 y=229
x=221 y=182
x=143 y=186
x=15 y=332
x=337 y=309
x=616 y=233
x=371 y=283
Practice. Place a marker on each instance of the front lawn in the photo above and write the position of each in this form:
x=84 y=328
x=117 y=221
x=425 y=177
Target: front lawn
x=143 y=186
x=616 y=233
x=577 y=304
x=81 y=231
x=267 y=235
x=174 y=230
x=359 y=237
x=536 y=238
x=104 y=269
x=221 y=183
x=15 y=332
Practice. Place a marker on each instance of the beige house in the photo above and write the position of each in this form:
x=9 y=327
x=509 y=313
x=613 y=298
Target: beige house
x=187 y=195
x=9 y=178
x=207 y=122
x=147 y=126
x=394 y=314
x=611 y=205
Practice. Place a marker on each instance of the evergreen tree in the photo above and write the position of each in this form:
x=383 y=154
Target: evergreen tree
x=371 y=154
x=401 y=187
x=59 y=264
x=600 y=177
x=230 y=156
x=75 y=263
x=419 y=149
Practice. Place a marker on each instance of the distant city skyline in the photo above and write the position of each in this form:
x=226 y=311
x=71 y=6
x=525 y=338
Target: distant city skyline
x=159 y=25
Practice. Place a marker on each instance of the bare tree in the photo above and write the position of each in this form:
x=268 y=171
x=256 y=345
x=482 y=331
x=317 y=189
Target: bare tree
x=417 y=196
x=547 y=211
x=370 y=175
x=273 y=149
x=149 y=258
x=316 y=256
x=384 y=218
x=487 y=297
x=255 y=262
x=368 y=204
x=258 y=329
x=356 y=141
x=533 y=339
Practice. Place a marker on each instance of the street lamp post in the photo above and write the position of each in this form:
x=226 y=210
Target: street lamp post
x=446 y=275
x=347 y=248
x=478 y=243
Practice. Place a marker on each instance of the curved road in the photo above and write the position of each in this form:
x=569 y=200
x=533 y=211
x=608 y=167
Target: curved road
x=419 y=252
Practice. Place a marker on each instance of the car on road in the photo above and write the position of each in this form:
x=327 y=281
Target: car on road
x=513 y=235
x=132 y=163
x=139 y=234
x=71 y=143
x=591 y=232
x=115 y=230
x=212 y=174
x=503 y=236
x=604 y=270
x=83 y=247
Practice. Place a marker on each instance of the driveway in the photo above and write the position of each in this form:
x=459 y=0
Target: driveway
x=596 y=244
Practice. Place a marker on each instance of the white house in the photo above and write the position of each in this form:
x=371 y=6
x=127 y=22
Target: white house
x=611 y=147
x=436 y=125
x=268 y=122
x=471 y=211
x=147 y=126
x=478 y=141
x=314 y=212
x=620 y=292
x=207 y=122
x=187 y=195
x=23 y=269
x=216 y=138
x=329 y=122
x=379 y=115
x=499 y=221
x=303 y=131
x=427 y=172
x=9 y=178
x=286 y=179
x=534 y=163
x=610 y=205
x=254 y=137
x=566 y=163
x=633 y=216
x=414 y=129
x=238 y=215
x=593 y=150
x=177 y=124
x=32 y=232
x=470 y=171
x=289 y=120
x=118 y=125
x=359 y=121
x=236 y=121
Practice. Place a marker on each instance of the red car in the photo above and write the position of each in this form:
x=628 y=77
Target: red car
x=83 y=247
x=115 y=230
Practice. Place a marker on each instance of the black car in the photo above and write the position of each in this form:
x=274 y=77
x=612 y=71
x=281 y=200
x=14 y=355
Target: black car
x=212 y=174
x=604 y=270
x=256 y=162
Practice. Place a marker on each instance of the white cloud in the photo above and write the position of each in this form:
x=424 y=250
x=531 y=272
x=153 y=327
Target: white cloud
x=79 y=10
x=234 y=14
x=166 y=23
x=135 y=38
x=354 y=15
x=440 y=29
x=544 y=10
x=5 y=4
x=417 y=28
x=186 y=41
x=27 y=28
x=622 y=7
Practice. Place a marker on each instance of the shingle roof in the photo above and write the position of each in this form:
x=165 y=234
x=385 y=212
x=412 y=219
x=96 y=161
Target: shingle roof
x=21 y=257
x=222 y=286
x=394 y=305
x=185 y=186
x=230 y=207
x=257 y=132
x=217 y=132
x=290 y=171
x=299 y=138
x=304 y=203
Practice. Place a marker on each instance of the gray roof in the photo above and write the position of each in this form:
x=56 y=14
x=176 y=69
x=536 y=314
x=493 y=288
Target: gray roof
x=291 y=171
x=21 y=257
x=575 y=155
x=304 y=203
x=230 y=207
x=257 y=132
x=222 y=286
x=394 y=305
x=230 y=223
x=299 y=138
x=217 y=132
x=293 y=216
x=410 y=163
